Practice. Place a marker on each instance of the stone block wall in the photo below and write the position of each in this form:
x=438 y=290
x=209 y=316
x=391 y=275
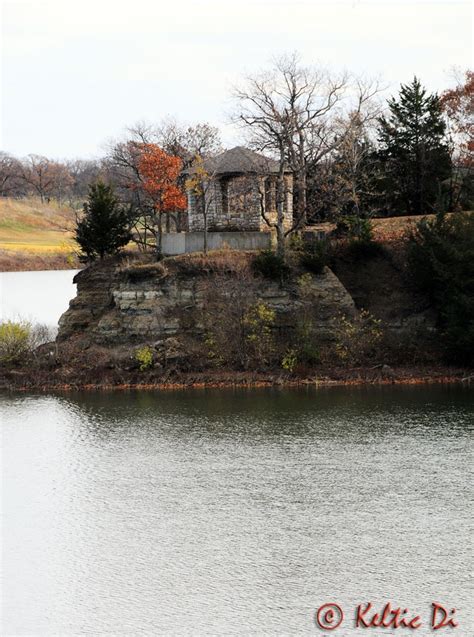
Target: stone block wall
x=186 y=242
x=234 y=202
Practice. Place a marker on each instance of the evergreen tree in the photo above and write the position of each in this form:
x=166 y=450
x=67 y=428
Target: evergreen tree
x=414 y=154
x=441 y=264
x=105 y=226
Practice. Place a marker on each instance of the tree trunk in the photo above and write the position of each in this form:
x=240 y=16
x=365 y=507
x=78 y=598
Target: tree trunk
x=281 y=192
x=301 y=189
x=301 y=183
x=159 y=237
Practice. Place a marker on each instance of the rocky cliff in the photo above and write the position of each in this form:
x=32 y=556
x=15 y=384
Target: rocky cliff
x=210 y=320
x=119 y=303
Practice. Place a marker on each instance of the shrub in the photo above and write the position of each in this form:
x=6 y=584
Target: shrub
x=359 y=231
x=14 y=342
x=223 y=261
x=315 y=257
x=308 y=352
x=289 y=360
x=257 y=324
x=242 y=334
x=355 y=228
x=357 y=340
x=19 y=339
x=441 y=264
x=270 y=265
x=144 y=356
x=306 y=341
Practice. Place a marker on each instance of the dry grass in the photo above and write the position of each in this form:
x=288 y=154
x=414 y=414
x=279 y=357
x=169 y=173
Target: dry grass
x=395 y=228
x=141 y=265
x=35 y=235
x=224 y=260
x=385 y=229
x=11 y=261
x=141 y=271
x=27 y=224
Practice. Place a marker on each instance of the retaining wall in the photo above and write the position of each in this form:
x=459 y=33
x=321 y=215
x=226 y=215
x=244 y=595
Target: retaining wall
x=184 y=242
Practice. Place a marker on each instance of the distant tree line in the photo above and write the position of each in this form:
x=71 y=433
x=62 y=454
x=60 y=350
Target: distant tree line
x=68 y=181
x=48 y=179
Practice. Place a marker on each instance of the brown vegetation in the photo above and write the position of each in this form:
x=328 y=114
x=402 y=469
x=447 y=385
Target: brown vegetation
x=12 y=261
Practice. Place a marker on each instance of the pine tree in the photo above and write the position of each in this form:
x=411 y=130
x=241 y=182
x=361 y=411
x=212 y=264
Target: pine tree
x=105 y=226
x=413 y=151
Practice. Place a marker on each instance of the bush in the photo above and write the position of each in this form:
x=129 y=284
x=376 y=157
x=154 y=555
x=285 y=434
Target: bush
x=306 y=344
x=241 y=337
x=289 y=360
x=356 y=228
x=359 y=231
x=257 y=325
x=14 y=342
x=315 y=257
x=441 y=264
x=144 y=356
x=270 y=265
x=19 y=339
x=358 y=340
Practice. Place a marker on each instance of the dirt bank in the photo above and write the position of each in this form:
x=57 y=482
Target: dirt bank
x=64 y=379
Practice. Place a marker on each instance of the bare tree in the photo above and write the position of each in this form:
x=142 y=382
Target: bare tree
x=296 y=112
x=45 y=177
x=354 y=165
x=187 y=142
x=10 y=176
x=261 y=111
x=84 y=172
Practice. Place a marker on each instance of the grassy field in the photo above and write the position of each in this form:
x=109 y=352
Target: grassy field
x=35 y=235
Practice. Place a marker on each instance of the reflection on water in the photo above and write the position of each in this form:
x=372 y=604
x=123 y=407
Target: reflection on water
x=233 y=512
x=40 y=297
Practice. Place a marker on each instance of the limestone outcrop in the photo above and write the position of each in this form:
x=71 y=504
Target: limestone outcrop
x=118 y=304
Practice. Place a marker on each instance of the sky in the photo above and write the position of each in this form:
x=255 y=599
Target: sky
x=76 y=73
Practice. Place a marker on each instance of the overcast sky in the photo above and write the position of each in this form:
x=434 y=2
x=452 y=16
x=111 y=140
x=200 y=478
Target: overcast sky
x=75 y=73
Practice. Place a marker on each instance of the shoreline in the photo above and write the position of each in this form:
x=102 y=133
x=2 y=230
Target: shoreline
x=18 y=382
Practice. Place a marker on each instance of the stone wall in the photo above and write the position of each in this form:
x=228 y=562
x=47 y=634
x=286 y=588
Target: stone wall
x=234 y=201
x=186 y=242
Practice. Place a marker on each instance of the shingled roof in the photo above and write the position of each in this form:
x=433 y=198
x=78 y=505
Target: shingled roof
x=241 y=160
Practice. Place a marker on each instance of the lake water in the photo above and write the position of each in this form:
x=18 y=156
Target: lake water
x=234 y=512
x=39 y=297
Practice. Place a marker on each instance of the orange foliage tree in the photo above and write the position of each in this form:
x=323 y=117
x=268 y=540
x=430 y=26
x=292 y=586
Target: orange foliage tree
x=159 y=175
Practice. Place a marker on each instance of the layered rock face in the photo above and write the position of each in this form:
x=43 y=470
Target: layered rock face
x=116 y=305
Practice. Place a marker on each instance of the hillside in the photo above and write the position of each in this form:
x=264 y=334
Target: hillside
x=385 y=228
x=35 y=236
